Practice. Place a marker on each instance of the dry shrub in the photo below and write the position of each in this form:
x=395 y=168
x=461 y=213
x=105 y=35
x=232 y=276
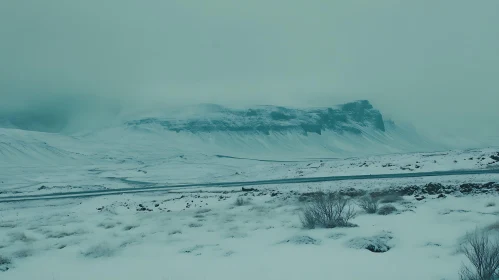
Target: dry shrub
x=368 y=204
x=482 y=250
x=328 y=210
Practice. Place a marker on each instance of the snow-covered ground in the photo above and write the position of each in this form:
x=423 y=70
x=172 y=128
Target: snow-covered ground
x=49 y=179
x=202 y=234
x=30 y=165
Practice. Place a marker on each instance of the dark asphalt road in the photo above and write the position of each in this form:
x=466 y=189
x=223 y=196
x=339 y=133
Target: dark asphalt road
x=155 y=187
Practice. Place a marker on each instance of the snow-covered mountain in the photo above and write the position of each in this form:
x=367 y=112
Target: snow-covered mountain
x=263 y=132
x=346 y=118
x=354 y=128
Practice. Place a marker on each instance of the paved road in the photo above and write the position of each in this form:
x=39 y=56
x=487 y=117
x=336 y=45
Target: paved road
x=154 y=187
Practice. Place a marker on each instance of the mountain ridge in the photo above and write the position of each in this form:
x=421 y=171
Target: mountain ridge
x=347 y=117
x=265 y=132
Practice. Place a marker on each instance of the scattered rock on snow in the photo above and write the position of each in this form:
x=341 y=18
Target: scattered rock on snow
x=387 y=209
x=376 y=244
x=4 y=263
x=352 y=192
x=301 y=240
x=432 y=188
x=432 y=244
x=467 y=188
x=336 y=236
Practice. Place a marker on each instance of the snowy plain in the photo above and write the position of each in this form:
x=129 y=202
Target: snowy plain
x=201 y=232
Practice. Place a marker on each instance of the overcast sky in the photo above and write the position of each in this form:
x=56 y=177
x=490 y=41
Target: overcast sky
x=434 y=63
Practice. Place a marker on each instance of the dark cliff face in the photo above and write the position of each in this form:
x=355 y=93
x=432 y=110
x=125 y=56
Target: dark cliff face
x=344 y=118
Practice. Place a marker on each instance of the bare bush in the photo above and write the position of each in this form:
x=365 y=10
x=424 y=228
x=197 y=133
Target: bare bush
x=368 y=204
x=490 y=204
x=482 y=250
x=328 y=211
x=241 y=202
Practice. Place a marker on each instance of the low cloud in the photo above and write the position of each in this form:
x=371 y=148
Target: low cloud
x=434 y=64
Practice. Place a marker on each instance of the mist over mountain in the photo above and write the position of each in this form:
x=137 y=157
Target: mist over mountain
x=266 y=132
x=266 y=119
x=68 y=66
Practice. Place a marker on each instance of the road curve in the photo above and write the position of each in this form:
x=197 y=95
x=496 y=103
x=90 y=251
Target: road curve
x=154 y=187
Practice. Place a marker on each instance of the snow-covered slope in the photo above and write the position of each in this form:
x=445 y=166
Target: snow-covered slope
x=265 y=132
x=270 y=132
x=34 y=148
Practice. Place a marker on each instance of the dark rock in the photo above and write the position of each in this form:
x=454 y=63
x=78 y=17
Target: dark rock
x=42 y=188
x=441 y=196
x=274 y=194
x=468 y=188
x=410 y=190
x=489 y=185
x=156 y=205
x=432 y=188
x=352 y=192
x=376 y=244
x=249 y=189
x=495 y=157
x=419 y=198
x=401 y=191
x=307 y=196
x=387 y=210
x=301 y=240
x=336 y=236
x=375 y=249
x=344 y=118
x=449 y=190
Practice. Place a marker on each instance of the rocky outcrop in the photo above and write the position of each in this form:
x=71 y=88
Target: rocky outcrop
x=346 y=118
